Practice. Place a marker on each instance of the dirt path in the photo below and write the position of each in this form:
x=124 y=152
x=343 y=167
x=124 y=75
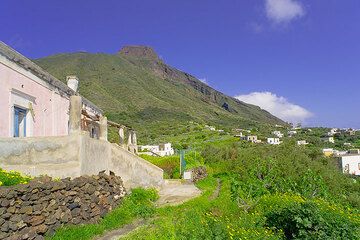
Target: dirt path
x=121 y=232
x=173 y=192
x=176 y=192
x=217 y=190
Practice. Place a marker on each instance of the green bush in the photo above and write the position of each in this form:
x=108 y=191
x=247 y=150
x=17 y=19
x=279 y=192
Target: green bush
x=308 y=221
x=12 y=178
x=170 y=164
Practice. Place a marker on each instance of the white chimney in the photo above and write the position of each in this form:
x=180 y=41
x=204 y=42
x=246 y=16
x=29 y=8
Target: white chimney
x=72 y=82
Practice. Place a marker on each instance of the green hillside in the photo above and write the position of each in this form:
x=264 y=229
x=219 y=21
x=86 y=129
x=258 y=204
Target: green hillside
x=134 y=87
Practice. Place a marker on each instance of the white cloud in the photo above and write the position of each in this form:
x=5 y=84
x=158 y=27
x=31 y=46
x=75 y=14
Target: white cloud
x=283 y=11
x=277 y=105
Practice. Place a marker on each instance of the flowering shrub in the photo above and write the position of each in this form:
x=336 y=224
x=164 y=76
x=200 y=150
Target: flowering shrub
x=9 y=178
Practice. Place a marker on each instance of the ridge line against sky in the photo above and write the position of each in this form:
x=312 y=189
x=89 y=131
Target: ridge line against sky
x=300 y=54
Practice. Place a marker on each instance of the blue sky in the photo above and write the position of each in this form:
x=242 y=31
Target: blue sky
x=300 y=59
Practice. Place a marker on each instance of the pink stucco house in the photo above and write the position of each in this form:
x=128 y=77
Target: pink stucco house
x=33 y=103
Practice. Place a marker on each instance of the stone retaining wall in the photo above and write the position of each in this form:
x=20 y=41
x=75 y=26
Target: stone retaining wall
x=33 y=210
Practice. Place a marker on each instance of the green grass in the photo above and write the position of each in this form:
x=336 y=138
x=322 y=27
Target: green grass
x=203 y=218
x=137 y=205
x=222 y=218
x=267 y=192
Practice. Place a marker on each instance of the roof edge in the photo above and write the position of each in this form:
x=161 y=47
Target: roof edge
x=29 y=65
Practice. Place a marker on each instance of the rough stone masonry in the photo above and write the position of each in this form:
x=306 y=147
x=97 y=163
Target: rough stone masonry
x=33 y=210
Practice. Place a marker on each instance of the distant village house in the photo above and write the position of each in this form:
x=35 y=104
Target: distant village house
x=302 y=142
x=292 y=133
x=350 y=163
x=160 y=150
x=328 y=139
x=273 y=141
x=250 y=138
x=278 y=134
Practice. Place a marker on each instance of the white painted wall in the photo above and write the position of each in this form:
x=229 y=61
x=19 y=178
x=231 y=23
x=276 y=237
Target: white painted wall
x=351 y=164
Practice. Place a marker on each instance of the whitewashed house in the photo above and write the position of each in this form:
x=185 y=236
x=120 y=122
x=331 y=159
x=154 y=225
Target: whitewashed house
x=292 y=133
x=238 y=134
x=250 y=138
x=302 y=142
x=328 y=139
x=350 y=164
x=278 y=134
x=273 y=141
x=333 y=131
x=160 y=150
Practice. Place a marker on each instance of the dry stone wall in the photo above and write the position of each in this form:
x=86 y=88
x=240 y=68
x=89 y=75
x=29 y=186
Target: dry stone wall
x=36 y=209
x=198 y=173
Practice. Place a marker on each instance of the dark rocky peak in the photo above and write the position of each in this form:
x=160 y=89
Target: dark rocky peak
x=142 y=52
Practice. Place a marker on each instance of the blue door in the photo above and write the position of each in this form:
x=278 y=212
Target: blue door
x=19 y=122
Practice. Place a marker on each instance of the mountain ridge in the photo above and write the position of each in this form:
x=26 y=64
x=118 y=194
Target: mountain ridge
x=135 y=87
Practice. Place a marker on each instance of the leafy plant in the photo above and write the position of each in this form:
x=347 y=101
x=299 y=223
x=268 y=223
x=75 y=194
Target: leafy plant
x=308 y=221
x=9 y=178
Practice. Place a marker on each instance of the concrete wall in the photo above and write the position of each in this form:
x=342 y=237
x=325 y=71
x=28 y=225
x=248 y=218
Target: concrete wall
x=54 y=156
x=134 y=170
x=95 y=155
x=76 y=155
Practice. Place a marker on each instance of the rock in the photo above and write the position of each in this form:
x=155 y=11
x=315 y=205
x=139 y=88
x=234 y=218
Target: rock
x=95 y=211
x=11 y=194
x=15 y=218
x=5 y=227
x=26 y=218
x=51 y=220
x=26 y=234
x=4 y=235
x=53 y=205
x=36 y=220
x=58 y=186
x=65 y=217
x=71 y=193
x=41 y=229
x=13 y=226
x=73 y=205
x=76 y=220
x=75 y=212
x=39 y=237
x=26 y=210
x=21 y=224
x=2 y=211
x=37 y=207
x=11 y=209
x=6 y=215
x=5 y=203
x=35 y=191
